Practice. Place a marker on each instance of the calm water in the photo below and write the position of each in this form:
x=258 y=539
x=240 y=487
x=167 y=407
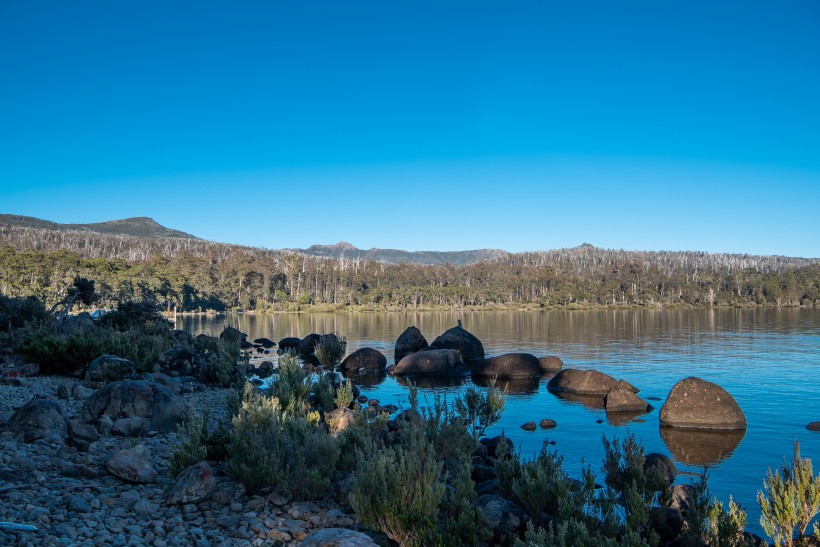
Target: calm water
x=769 y=360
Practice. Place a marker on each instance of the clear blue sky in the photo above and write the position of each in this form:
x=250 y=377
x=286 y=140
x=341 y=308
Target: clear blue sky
x=420 y=125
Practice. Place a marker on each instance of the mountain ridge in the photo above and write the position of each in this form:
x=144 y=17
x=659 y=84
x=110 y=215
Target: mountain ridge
x=134 y=226
x=344 y=249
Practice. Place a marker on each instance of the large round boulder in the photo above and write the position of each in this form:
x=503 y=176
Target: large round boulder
x=79 y=324
x=289 y=343
x=308 y=344
x=233 y=335
x=509 y=365
x=460 y=339
x=40 y=418
x=109 y=368
x=582 y=382
x=159 y=408
x=697 y=404
x=366 y=358
x=410 y=341
x=265 y=342
x=337 y=537
x=440 y=362
x=550 y=363
x=180 y=361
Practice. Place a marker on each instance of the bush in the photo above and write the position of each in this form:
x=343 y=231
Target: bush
x=330 y=350
x=290 y=386
x=344 y=395
x=272 y=446
x=396 y=490
x=543 y=487
x=16 y=312
x=481 y=410
x=791 y=501
x=141 y=316
x=199 y=443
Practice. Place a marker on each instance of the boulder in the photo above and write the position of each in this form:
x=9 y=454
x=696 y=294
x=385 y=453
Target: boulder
x=289 y=343
x=460 y=339
x=339 y=419
x=180 y=361
x=503 y=516
x=509 y=365
x=492 y=444
x=622 y=399
x=582 y=382
x=40 y=418
x=337 y=537
x=440 y=362
x=667 y=522
x=697 y=404
x=193 y=485
x=129 y=427
x=81 y=431
x=81 y=324
x=365 y=358
x=183 y=337
x=160 y=408
x=813 y=426
x=410 y=341
x=133 y=465
x=550 y=363
x=233 y=336
x=308 y=344
x=546 y=423
x=265 y=342
x=682 y=497
x=109 y=368
x=528 y=426
x=661 y=463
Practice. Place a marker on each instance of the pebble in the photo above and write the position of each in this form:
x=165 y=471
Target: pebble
x=73 y=500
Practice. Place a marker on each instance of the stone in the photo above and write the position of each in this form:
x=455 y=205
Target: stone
x=128 y=427
x=546 y=423
x=40 y=418
x=78 y=504
x=288 y=343
x=133 y=465
x=337 y=537
x=550 y=363
x=667 y=522
x=180 y=361
x=492 y=443
x=365 y=358
x=410 y=341
x=80 y=324
x=440 y=362
x=503 y=516
x=529 y=426
x=661 y=463
x=82 y=431
x=582 y=382
x=193 y=485
x=509 y=365
x=160 y=408
x=813 y=426
x=109 y=368
x=621 y=399
x=308 y=344
x=265 y=342
x=697 y=404
x=460 y=339
x=232 y=335
x=339 y=419
x=682 y=497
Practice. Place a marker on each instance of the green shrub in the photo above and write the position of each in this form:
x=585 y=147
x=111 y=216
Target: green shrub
x=396 y=490
x=17 y=312
x=789 y=502
x=543 y=487
x=459 y=523
x=344 y=395
x=144 y=317
x=330 y=350
x=323 y=394
x=282 y=448
x=290 y=386
x=480 y=409
x=726 y=527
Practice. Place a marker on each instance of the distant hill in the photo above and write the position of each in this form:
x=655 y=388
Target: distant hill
x=135 y=227
x=394 y=256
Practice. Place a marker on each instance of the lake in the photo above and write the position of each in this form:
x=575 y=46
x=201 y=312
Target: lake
x=768 y=359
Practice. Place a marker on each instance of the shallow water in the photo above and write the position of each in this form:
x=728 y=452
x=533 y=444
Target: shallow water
x=768 y=359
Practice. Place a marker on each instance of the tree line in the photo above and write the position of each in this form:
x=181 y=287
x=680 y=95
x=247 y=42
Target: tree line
x=197 y=275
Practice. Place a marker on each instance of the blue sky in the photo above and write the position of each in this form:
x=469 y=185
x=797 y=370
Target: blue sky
x=420 y=126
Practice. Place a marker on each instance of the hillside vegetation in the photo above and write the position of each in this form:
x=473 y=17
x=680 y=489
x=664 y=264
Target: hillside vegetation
x=197 y=275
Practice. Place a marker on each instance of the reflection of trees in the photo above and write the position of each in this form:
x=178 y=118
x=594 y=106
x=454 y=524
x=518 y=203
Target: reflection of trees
x=513 y=386
x=701 y=447
x=427 y=382
x=368 y=379
x=592 y=402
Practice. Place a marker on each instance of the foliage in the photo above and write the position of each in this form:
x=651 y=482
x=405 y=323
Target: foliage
x=290 y=386
x=344 y=395
x=459 y=522
x=789 y=502
x=481 y=408
x=199 y=443
x=330 y=350
x=280 y=447
x=396 y=490
x=16 y=312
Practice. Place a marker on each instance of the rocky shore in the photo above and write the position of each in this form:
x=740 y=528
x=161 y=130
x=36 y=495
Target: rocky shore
x=71 y=498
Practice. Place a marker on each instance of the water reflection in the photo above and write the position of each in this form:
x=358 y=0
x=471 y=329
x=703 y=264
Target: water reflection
x=700 y=447
x=430 y=382
x=513 y=386
x=623 y=417
x=592 y=402
x=368 y=380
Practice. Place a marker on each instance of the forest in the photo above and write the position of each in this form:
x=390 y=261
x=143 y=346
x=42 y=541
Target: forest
x=197 y=276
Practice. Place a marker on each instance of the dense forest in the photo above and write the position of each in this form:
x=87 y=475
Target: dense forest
x=198 y=275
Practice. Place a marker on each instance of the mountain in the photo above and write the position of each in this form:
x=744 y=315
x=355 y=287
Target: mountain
x=135 y=227
x=394 y=256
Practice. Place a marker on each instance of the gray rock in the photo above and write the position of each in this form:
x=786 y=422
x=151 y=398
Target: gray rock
x=82 y=431
x=410 y=341
x=509 y=365
x=78 y=504
x=40 y=418
x=128 y=427
x=550 y=363
x=661 y=463
x=109 y=368
x=582 y=382
x=132 y=465
x=180 y=361
x=697 y=404
x=337 y=537
x=193 y=485
x=365 y=358
x=503 y=516
x=460 y=339
x=340 y=419
x=441 y=362
x=158 y=406
x=621 y=399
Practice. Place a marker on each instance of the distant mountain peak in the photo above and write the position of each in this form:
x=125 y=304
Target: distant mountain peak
x=134 y=226
x=344 y=249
